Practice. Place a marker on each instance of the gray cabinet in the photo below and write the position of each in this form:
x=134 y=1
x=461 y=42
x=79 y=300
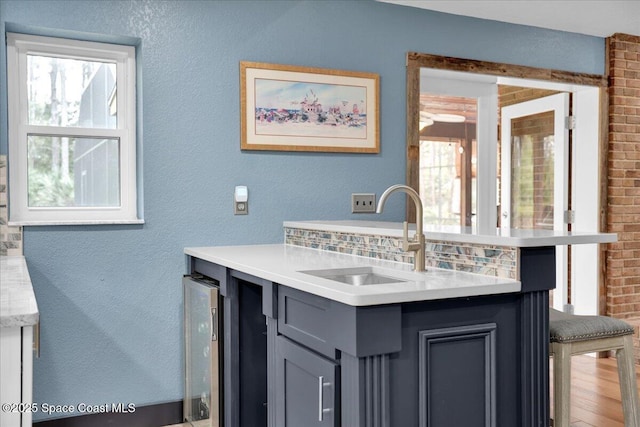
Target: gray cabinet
x=306 y=384
x=405 y=364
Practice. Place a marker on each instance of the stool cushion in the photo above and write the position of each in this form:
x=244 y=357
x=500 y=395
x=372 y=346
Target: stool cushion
x=564 y=327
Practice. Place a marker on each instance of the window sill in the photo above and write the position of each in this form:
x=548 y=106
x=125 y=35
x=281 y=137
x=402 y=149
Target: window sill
x=78 y=222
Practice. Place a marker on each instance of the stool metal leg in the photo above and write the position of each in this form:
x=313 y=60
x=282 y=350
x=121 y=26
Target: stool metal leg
x=628 y=384
x=561 y=384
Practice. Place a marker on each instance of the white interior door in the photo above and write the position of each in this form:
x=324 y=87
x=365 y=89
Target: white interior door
x=585 y=199
x=534 y=170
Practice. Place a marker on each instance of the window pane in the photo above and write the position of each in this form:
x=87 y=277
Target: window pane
x=73 y=172
x=70 y=92
x=440 y=182
x=532 y=166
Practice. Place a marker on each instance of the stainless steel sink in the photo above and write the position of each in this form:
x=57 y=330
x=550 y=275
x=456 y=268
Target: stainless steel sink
x=360 y=276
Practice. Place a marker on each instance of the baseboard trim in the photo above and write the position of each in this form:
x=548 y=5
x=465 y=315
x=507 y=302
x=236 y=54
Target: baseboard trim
x=144 y=416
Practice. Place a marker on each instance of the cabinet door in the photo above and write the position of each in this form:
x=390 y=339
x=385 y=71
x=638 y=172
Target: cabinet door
x=306 y=382
x=11 y=373
x=27 y=372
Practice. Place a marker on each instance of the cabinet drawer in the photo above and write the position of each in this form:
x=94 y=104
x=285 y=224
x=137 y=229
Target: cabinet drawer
x=327 y=326
x=308 y=319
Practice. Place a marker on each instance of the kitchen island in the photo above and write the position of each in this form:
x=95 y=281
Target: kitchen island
x=440 y=348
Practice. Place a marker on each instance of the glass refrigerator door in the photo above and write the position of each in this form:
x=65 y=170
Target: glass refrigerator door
x=201 y=402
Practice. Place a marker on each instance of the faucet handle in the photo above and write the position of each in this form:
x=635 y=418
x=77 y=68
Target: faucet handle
x=409 y=245
x=405 y=233
x=406 y=244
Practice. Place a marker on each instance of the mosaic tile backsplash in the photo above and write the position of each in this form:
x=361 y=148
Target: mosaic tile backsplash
x=499 y=261
x=10 y=237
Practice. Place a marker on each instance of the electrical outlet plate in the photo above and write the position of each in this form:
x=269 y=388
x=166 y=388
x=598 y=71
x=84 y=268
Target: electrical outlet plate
x=241 y=208
x=363 y=203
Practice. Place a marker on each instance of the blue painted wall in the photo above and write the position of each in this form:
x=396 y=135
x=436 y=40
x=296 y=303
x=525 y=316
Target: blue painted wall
x=110 y=296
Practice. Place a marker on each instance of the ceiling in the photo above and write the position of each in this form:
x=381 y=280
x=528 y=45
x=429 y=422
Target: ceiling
x=600 y=18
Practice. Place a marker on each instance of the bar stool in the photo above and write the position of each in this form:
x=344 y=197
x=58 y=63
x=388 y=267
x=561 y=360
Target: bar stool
x=571 y=334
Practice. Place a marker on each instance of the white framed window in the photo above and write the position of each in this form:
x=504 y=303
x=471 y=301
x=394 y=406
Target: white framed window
x=72 y=131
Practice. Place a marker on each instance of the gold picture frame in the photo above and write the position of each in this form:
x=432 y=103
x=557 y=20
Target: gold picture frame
x=292 y=108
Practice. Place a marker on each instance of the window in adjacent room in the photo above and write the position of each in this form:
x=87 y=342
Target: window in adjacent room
x=72 y=131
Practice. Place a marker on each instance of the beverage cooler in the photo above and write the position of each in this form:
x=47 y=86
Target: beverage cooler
x=203 y=352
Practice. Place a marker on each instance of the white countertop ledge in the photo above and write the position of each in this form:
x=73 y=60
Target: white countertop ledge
x=498 y=237
x=18 y=306
x=283 y=264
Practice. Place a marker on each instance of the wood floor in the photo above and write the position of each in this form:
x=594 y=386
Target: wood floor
x=595 y=393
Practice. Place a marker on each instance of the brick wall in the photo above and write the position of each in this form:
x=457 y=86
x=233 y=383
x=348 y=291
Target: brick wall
x=623 y=211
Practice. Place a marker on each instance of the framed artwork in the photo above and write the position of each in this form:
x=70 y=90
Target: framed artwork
x=290 y=108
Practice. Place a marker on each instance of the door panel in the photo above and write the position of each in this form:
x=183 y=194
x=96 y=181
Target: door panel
x=586 y=177
x=534 y=171
x=306 y=382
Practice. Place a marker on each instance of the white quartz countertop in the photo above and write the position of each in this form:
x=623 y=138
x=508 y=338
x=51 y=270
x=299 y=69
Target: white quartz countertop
x=283 y=264
x=18 y=306
x=500 y=237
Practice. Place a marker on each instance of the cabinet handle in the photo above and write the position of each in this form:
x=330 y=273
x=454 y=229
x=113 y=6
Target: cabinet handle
x=321 y=410
x=214 y=324
x=36 y=339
